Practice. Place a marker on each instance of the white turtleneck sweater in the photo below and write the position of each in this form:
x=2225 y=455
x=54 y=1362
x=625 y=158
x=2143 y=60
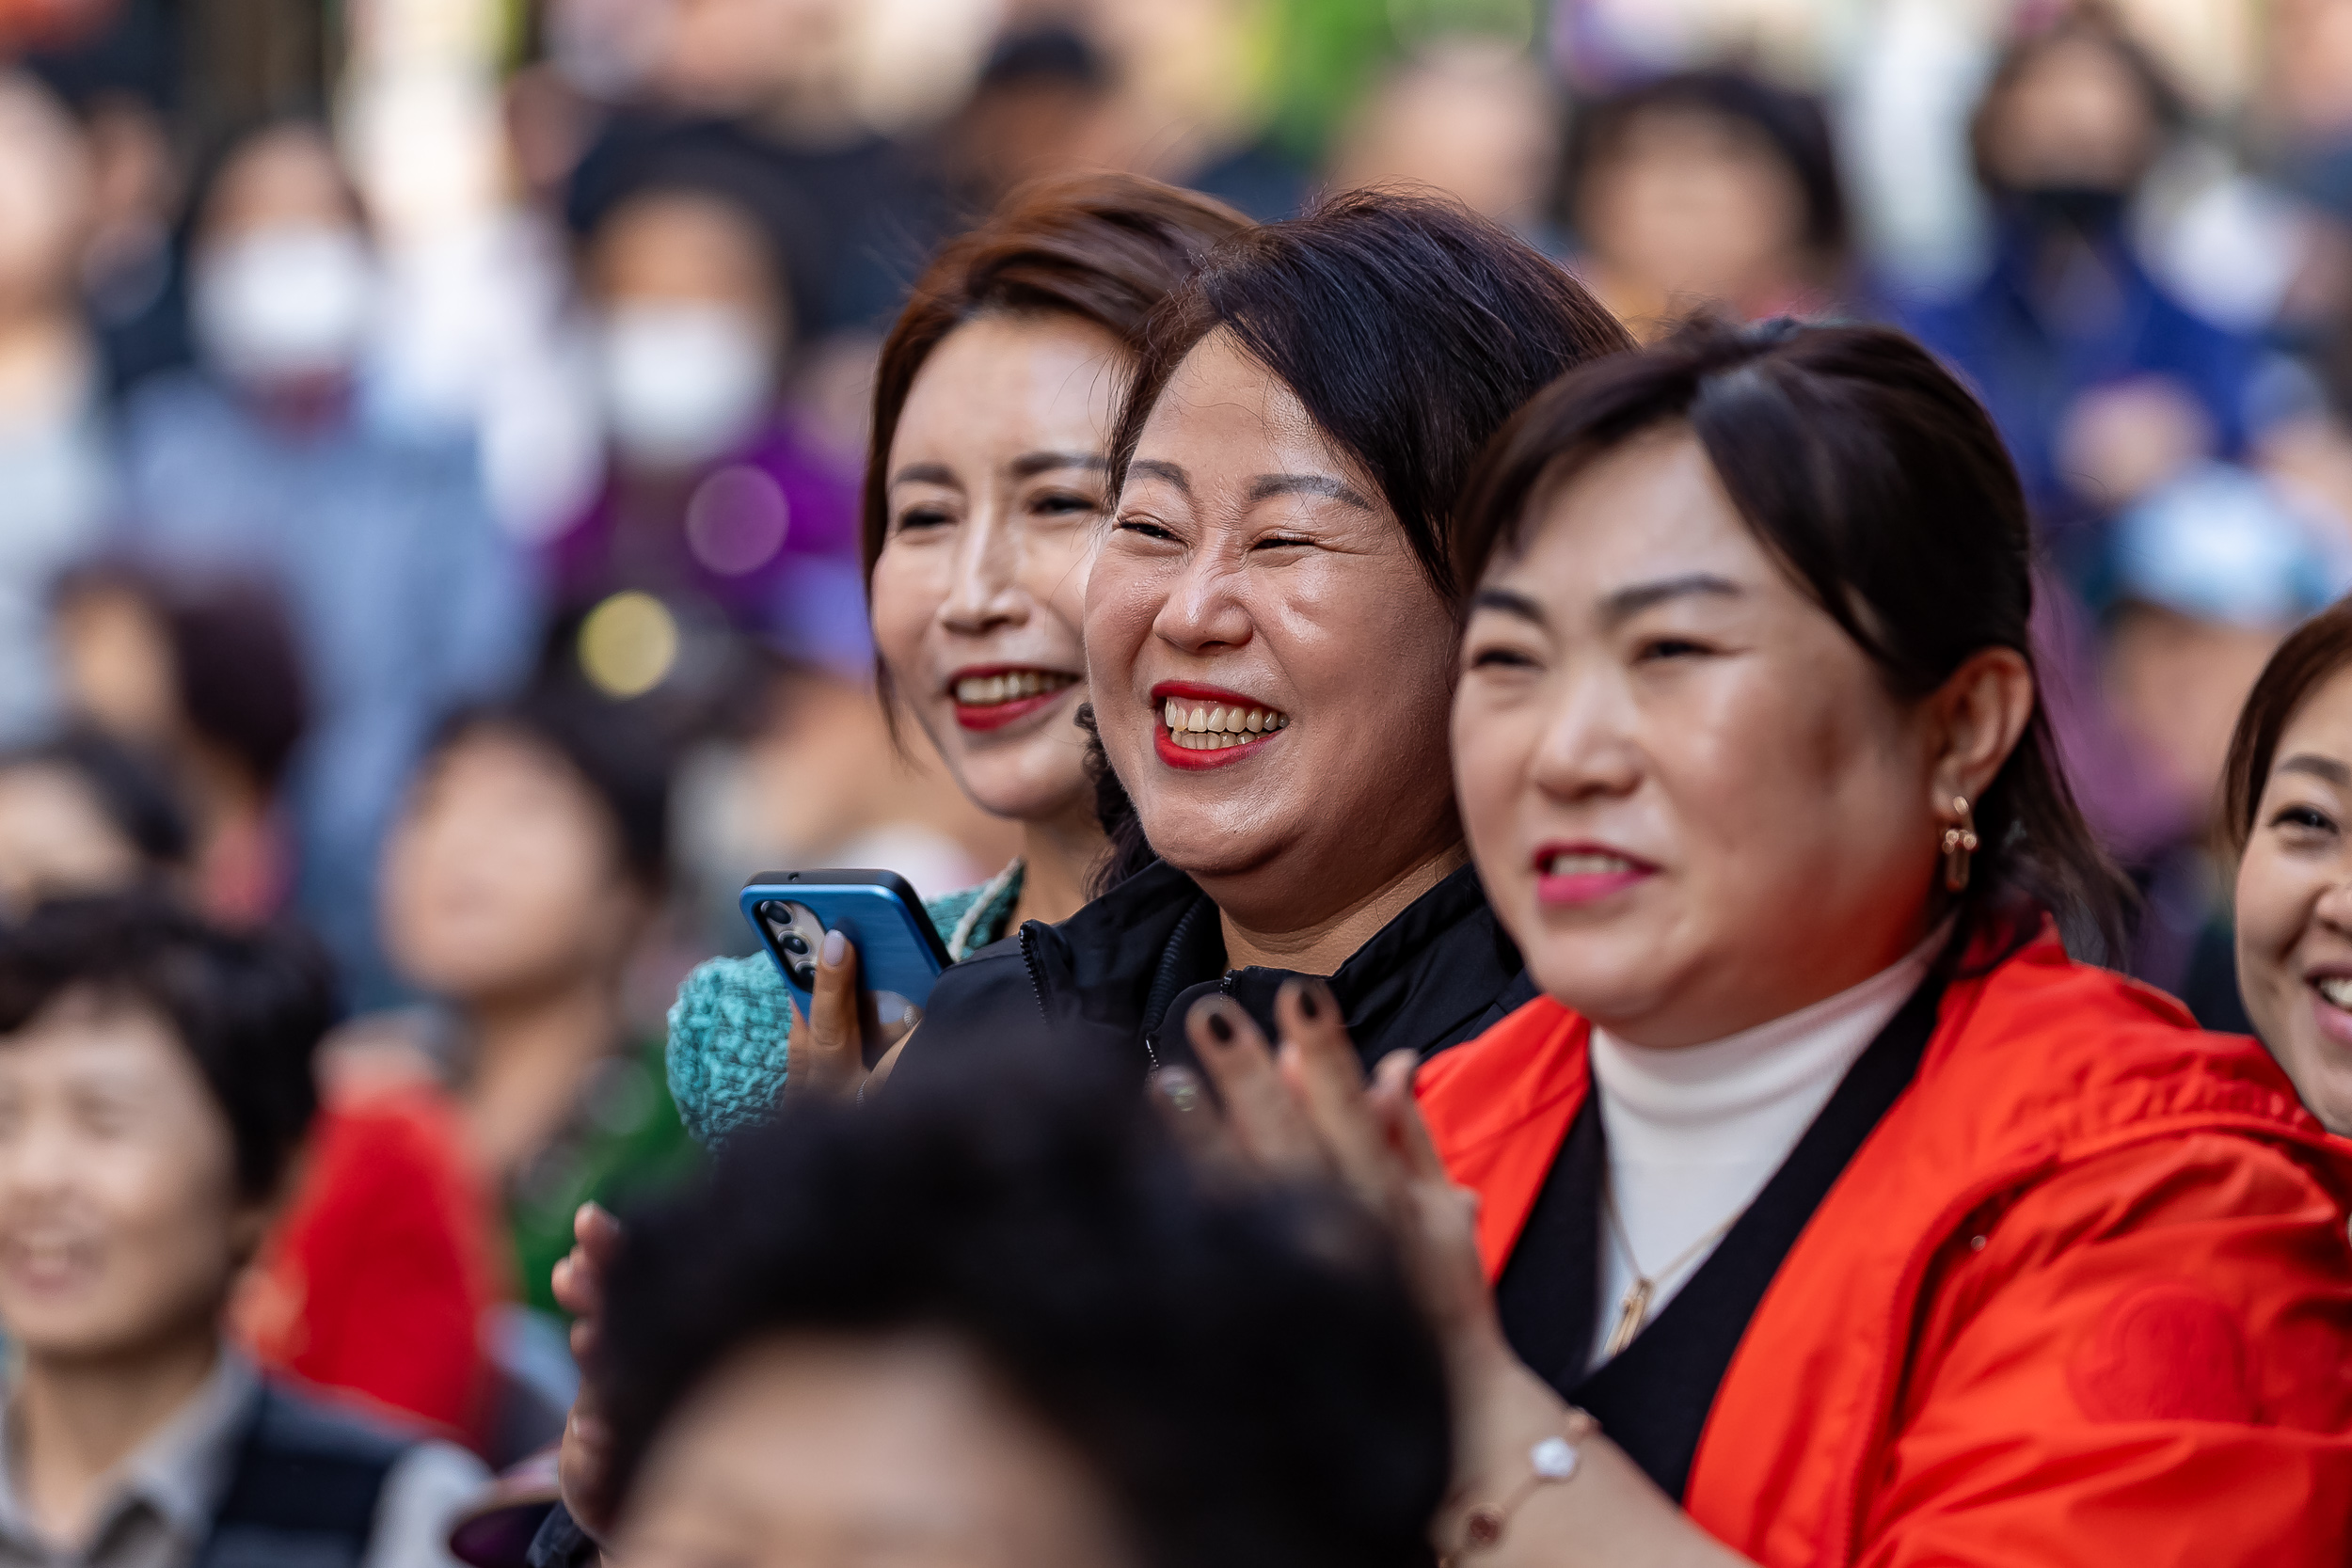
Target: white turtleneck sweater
x=1696 y=1132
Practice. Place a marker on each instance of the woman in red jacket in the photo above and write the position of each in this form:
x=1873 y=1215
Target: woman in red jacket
x=1868 y=1226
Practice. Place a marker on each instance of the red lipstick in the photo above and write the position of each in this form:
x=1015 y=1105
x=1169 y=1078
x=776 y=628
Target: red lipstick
x=995 y=716
x=1194 y=693
x=1595 y=872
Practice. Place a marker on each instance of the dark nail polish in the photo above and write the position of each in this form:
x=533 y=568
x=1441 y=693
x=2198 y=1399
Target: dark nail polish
x=1222 y=1028
x=1307 y=1002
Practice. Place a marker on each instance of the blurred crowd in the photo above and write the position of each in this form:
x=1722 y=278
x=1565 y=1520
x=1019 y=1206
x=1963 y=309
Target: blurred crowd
x=484 y=595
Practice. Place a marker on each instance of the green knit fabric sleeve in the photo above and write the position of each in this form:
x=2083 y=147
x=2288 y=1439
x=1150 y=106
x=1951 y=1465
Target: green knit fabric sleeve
x=730 y=1031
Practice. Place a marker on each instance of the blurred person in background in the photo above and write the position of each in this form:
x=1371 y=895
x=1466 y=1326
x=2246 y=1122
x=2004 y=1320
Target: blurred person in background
x=265 y=459
x=1473 y=117
x=525 y=868
x=52 y=451
x=202 y=672
x=374 y=1281
x=984 y=490
x=2204 y=578
x=83 y=813
x=155 y=1088
x=713 y=495
x=2103 y=384
x=1707 y=190
x=2287 y=813
x=852 y=1334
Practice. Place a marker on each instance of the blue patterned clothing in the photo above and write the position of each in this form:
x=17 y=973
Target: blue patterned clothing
x=731 y=1026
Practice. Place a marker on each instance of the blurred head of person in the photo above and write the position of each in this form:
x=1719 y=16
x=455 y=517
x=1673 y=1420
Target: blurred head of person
x=528 y=855
x=787 y=61
x=1473 y=117
x=1749 y=638
x=2208 y=574
x=1000 y=1320
x=85 y=814
x=174 y=660
x=46 y=198
x=1271 y=616
x=692 y=278
x=1709 y=188
x=986 y=472
x=203 y=671
x=2074 y=116
x=2287 y=807
x=155 y=1083
x=282 y=275
x=1046 y=103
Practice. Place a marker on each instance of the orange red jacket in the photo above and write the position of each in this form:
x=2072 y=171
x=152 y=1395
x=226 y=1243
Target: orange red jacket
x=2082 y=1297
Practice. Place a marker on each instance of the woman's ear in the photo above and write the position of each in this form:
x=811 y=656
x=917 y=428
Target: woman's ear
x=1979 y=713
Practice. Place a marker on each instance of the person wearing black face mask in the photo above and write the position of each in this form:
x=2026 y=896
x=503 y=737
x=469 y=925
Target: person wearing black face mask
x=2067 y=336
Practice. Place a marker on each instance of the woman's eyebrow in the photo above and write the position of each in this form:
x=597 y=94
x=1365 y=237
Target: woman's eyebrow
x=1509 y=603
x=923 y=473
x=1267 y=486
x=1630 y=601
x=1030 y=464
x=1153 y=467
x=2317 y=767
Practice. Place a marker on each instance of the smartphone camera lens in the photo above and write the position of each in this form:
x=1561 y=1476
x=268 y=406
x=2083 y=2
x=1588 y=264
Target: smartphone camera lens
x=794 y=943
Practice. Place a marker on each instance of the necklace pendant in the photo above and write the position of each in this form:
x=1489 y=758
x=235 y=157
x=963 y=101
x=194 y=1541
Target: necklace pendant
x=1633 y=1313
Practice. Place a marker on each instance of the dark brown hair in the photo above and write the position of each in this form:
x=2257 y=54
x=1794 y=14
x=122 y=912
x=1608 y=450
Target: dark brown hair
x=1105 y=248
x=2314 y=651
x=1409 y=326
x=1882 y=487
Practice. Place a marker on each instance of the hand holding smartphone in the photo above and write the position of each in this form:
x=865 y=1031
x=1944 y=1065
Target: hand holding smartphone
x=899 y=951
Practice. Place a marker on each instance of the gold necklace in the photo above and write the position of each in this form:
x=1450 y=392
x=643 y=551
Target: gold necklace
x=1633 y=1311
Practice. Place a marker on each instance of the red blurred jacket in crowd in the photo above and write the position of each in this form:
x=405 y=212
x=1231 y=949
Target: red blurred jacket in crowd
x=2083 y=1296
x=375 y=1283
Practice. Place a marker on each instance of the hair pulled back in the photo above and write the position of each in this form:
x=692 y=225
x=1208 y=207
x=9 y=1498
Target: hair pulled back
x=1105 y=248
x=1883 y=489
x=2313 y=652
x=1407 y=327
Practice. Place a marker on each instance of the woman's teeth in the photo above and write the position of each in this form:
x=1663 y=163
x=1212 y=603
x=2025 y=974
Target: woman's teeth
x=1011 y=687
x=1586 y=863
x=2337 y=988
x=1214 y=726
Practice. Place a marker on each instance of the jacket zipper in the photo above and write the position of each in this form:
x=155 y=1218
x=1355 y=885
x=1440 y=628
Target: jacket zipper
x=1028 y=961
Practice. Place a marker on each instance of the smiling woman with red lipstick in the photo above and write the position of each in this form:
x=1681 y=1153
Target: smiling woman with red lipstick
x=984 y=492
x=2287 y=793
x=1830 y=1212
x=1269 y=624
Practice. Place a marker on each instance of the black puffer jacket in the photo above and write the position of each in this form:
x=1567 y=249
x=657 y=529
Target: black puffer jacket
x=1116 y=979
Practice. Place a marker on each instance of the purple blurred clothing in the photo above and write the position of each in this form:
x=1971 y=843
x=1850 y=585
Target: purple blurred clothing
x=768 y=537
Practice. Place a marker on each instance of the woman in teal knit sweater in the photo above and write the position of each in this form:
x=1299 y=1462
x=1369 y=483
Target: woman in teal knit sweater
x=984 y=481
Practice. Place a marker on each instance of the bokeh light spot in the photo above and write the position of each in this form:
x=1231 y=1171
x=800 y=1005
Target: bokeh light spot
x=629 y=644
x=736 y=520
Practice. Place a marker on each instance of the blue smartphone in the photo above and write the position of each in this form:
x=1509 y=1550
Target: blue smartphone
x=898 y=950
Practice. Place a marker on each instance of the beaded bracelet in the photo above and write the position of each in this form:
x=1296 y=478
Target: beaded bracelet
x=1549 y=1462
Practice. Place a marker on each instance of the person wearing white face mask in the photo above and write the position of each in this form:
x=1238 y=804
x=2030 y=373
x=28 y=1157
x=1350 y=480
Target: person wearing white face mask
x=270 y=457
x=715 y=499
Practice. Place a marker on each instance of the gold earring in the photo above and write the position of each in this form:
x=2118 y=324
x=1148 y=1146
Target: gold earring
x=1959 y=843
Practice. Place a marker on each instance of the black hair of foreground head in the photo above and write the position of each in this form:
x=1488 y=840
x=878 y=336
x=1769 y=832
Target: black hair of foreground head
x=1244 y=1369
x=250 y=1007
x=130 y=789
x=1883 y=488
x=1407 y=326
